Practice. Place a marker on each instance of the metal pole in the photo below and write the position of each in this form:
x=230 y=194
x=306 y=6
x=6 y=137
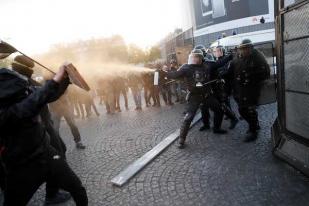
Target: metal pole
x=51 y=71
x=16 y=50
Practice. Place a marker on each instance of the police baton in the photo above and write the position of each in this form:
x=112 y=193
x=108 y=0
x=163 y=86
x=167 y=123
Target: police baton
x=169 y=82
x=213 y=81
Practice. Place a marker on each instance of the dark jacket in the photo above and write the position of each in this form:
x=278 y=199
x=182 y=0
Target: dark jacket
x=162 y=79
x=248 y=74
x=208 y=70
x=54 y=137
x=23 y=134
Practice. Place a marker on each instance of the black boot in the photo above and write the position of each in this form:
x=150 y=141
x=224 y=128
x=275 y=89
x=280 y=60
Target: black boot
x=258 y=127
x=183 y=134
x=80 y=145
x=251 y=136
x=60 y=197
x=219 y=131
x=204 y=128
x=234 y=122
x=181 y=143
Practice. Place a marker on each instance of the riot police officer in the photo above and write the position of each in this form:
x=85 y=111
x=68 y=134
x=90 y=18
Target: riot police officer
x=198 y=77
x=208 y=57
x=223 y=90
x=249 y=70
x=204 y=109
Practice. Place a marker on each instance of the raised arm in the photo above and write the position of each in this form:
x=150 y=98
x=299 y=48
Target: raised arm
x=31 y=105
x=220 y=63
x=180 y=73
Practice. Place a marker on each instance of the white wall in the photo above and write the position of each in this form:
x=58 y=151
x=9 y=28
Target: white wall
x=187 y=14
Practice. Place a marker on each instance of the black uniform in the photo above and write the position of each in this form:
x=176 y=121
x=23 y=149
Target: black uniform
x=222 y=91
x=248 y=74
x=199 y=95
x=52 y=188
x=28 y=157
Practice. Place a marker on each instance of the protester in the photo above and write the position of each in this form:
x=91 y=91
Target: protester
x=165 y=87
x=24 y=66
x=75 y=102
x=120 y=88
x=135 y=83
x=61 y=108
x=147 y=88
x=27 y=155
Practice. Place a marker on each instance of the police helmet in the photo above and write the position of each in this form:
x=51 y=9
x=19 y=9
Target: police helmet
x=245 y=43
x=202 y=48
x=221 y=48
x=209 y=58
x=197 y=52
x=196 y=57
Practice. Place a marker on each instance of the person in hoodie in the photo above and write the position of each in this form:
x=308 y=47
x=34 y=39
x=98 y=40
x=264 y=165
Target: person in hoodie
x=26 y=153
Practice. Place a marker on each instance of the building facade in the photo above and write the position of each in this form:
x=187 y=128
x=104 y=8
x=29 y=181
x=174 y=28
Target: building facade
x=209 y=20
x=214 y=19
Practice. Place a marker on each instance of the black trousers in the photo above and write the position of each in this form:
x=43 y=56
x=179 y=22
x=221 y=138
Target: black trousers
x=194 y=103
x=156 y=95
x=247 y=98
x=250 y=115
x=56 y=142
x=147 y=95
x=205 y=114
x=23 y=181
x=166 y=93
x=224 y=101
x=2 y=176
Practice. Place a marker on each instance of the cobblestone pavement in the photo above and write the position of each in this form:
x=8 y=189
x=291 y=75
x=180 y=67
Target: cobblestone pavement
x=212 y=170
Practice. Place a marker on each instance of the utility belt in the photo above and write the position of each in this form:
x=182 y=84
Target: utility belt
x=202 y=89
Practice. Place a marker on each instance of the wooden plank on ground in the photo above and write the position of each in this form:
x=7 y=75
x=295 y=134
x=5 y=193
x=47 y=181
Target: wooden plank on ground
x=141 y=162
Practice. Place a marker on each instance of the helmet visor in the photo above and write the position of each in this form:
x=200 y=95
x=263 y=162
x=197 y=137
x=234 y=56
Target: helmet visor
x=195 y=59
